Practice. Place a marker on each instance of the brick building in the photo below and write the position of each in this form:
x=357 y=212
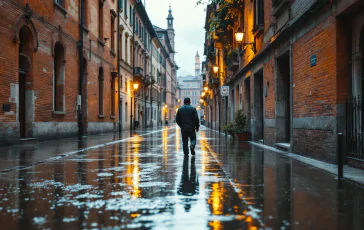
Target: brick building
x=296 y=64
x=39 y=74
x=52 y=86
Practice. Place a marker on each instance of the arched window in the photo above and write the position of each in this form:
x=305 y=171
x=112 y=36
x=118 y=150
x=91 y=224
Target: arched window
x=101 y=91
x=58 y=78
x=126 y=49
x=131 y=50
x=101 y=19
x=121 y=46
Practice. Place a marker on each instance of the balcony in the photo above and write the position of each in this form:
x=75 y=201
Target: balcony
x=214 y=81
x=233 y=65
x=232 y=59
x=138 y=73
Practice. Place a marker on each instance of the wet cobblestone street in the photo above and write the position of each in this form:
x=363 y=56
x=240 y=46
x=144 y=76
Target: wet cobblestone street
x=145 y=182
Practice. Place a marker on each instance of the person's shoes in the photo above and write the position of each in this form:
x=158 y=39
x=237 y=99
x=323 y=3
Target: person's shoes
x=192 y=148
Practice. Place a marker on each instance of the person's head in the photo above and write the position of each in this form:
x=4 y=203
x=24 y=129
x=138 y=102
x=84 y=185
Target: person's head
x=187 y=101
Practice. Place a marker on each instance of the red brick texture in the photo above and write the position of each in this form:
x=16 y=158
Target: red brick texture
x=52 y=26
x=269 y=101
x=314 y=88
x=319 y=144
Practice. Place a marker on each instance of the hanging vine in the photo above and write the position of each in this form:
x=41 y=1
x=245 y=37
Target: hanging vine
x=222 y=17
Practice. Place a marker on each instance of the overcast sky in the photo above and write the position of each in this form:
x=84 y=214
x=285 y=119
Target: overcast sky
x=189 y=21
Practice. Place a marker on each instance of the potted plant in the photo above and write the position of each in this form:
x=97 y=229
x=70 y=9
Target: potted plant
x=241 y=128
x=238 y=128
x=229 y=129
x=231 y=56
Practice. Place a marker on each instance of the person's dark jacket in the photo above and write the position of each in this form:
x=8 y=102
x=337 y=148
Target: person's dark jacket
x=187 y=118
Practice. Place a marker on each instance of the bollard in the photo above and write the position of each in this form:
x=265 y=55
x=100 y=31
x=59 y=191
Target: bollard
x=340 y=156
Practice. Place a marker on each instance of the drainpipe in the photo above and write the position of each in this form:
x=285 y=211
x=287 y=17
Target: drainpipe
x=81 y=74
x=119 y=74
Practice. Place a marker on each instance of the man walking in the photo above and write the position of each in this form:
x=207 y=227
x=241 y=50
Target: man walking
x=187 y=120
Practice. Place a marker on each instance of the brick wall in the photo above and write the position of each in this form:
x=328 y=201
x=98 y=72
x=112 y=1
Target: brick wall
x=52 y=26
x=318 y=144
x=314 y=88
x=269 y=82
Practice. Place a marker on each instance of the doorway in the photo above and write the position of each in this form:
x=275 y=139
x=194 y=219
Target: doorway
x=247 y=100
x=22 y=77
x=258 y=131
x=26 y=103
x=283 y=101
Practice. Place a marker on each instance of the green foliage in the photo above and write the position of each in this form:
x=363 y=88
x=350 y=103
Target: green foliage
x=240 y=121
x=239 y=124
x=231 y=55
x=223 y=17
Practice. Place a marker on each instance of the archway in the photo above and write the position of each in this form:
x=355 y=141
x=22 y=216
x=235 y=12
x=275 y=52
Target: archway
x=26 y=101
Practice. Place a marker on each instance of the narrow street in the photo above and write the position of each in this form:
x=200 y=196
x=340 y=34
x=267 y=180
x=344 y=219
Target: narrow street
x=145 y=182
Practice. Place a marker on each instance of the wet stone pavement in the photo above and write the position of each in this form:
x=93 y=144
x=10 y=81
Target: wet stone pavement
x=145 y=182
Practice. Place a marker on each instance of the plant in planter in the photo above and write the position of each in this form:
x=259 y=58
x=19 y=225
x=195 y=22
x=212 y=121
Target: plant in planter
x=238 y=128
x=229 y=128
x=232 y=55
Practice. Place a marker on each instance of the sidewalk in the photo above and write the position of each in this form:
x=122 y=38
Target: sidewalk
x=352 y=174
x=12 y=157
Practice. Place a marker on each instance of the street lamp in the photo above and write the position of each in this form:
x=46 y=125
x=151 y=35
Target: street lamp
x=203 y=94
x=239 y=36
x=136 y=86
x=215 y=68
x=206 y=88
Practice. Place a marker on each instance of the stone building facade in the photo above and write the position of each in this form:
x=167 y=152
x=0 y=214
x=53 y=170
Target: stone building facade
x=297 y=64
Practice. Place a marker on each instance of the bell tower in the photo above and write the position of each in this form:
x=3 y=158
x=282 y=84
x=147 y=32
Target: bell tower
x=170 y=30
x=197 y=64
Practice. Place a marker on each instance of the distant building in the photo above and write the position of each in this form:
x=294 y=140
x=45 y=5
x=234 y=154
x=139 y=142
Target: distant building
x=191 y=87
x=197 y=65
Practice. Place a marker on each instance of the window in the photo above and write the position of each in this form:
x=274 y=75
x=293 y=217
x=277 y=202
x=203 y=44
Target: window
x=126 y=7
x=101 y=19
x=101 y=91
x=60 y=2
x=126 y=85
x=121 y=45
x=58 y=77
x=258 y=12
x=112 y=33
x=131 y=15
x=131 y=50
x=126 y=48
x=126 y=112
x=136 y=27
x=120 y=5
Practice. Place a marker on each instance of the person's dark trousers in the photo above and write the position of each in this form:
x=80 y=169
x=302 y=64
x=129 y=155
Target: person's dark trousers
x=185 y=135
